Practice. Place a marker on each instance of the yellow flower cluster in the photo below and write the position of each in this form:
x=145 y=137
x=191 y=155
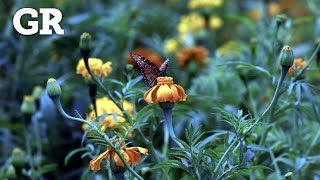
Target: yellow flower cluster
x=194 y=4
x=96 y=66
x=230 y=48
x=106 y=106
x=191 y=23
x=215 y=22
x=171 y=45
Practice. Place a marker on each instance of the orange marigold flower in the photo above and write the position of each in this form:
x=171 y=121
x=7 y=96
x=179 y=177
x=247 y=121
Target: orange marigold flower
x=106 y=106
x=131 y=154
x=165 y=91
x=197 y=53
x=96 y=66
x=153 y=57
x=297 y=64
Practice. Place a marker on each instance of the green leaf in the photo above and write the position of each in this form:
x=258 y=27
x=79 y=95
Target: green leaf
x=72 y=153
x=47 y=168
x=170 y=164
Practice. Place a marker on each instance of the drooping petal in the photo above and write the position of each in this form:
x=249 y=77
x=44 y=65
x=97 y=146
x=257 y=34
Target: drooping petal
x=175 y=94
x=134 y=156
x=140 y=149
x=95 y=163
x=118 y=160
x=181 y=92
x=164 y=93
x=151 y=95
x=147 y=96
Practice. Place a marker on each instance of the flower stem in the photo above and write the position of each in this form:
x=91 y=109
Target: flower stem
x=235 y=142
x=57 y=102
x=168 y=119
x=85 y=56
x=311 y=59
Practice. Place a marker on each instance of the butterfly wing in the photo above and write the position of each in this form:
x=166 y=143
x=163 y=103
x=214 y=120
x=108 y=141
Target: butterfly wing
x=149 y=71
x=164 y=66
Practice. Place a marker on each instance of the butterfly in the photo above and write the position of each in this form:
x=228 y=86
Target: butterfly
x=149 y=71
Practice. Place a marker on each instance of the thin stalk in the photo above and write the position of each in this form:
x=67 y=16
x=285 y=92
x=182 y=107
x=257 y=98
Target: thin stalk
x=235 y=142
x=60 y=109
x=86 y=62
x=297 y=77
x=311 y=59
x=165 y=140
x=168 y=119
x=275 y=164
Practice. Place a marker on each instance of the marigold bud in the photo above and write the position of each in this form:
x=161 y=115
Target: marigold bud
x=85 y=42
x=11 y=173
x=129 y=67
x=53 y=88
x=28 y=105
x=37 y=91
x=281 y=19
x=17 y=158
x=286 y=56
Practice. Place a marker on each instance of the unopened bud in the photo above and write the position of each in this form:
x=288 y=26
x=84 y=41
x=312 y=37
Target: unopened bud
x=17 y=158
x=281 y=19
x=286 y=56
x=85 y=42
x=53 y=88
x=129 y=67
x=37 y=91
x=28 y=105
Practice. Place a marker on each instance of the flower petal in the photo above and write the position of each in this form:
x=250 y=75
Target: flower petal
x=118 y=160
x=95 y=163
x=181 y=92
x=134 y=156
x=175 y=94
x=140 y=149
x=164 y=93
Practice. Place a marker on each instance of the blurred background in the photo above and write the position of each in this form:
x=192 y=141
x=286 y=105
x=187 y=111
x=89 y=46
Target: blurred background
x=200 y=38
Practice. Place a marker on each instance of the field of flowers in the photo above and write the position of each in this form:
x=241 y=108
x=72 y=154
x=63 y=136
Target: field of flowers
x=173 y=89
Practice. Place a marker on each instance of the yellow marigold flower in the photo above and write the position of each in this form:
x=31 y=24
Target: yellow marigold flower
x=230 y=48
x=193 y=4
x=274 y=9
x=131 y=154
x=171 y=45
x=106 y=106
x=191 y=23
x=215 y=22
x=197 y=53
x=153 y=57
x=297 y=64
x=255 y=14
x=165 y=91
x=96 y=66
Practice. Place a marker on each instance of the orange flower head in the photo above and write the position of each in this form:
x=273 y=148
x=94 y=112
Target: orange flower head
x=165 y=91
x=197 y=53
x=131 y=155
x=297 y=64
x=153 y=57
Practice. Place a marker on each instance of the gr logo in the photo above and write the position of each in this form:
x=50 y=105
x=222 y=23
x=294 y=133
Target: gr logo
x=46 y=21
